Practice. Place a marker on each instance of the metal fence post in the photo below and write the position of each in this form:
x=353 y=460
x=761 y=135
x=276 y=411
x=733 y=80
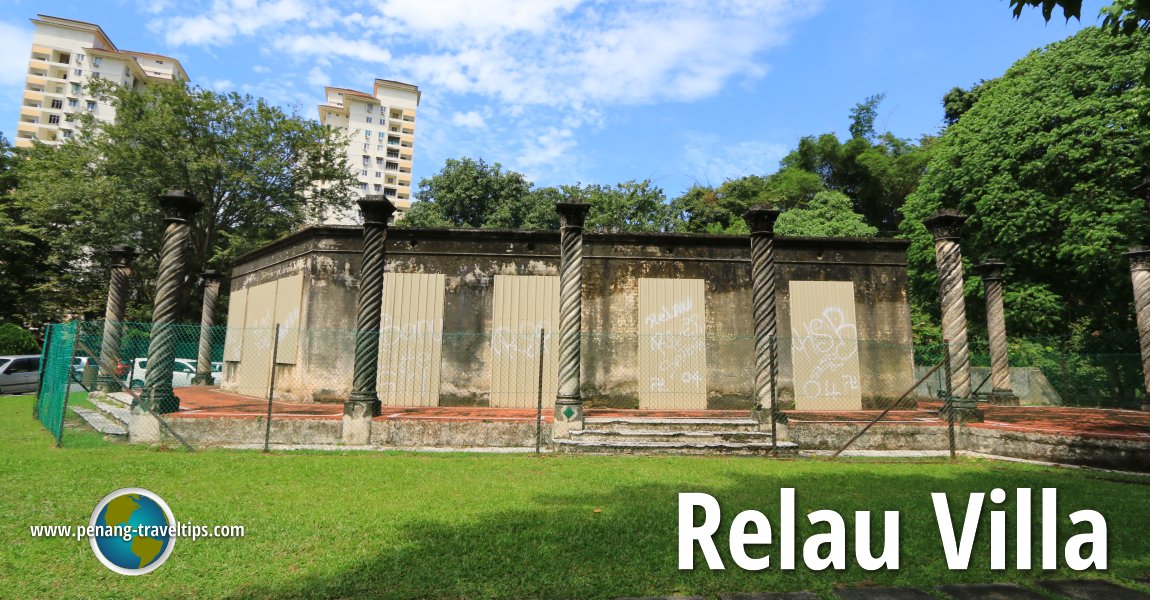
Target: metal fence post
x=271 y=388
x=948 y=399
x=539 y=397
x=43 y=361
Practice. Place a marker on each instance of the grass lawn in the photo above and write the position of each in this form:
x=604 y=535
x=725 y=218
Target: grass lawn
x=399 y=525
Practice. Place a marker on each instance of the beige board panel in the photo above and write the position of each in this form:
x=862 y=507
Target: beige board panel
x=237 y=313
x=411 y=339
x=824 y=346
x=254 y=371
x=672 y=344
x=289 y=296
x=521 y=306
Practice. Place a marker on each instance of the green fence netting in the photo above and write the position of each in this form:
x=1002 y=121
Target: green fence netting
x=55 y=377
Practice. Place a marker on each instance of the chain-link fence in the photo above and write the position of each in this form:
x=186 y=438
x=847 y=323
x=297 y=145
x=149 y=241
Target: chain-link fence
x=287 y=386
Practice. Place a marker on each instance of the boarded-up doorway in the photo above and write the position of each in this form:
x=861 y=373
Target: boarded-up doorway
x=263 y=306
x=411 y=339
x=824 y=346
x=672 y=344
x=522 y=305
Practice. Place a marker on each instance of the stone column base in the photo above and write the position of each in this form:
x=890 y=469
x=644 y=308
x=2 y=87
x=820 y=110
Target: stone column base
x=161 y=399
x=205 y=379
x=1003 y=398
x=1146 y=407
x=144 y=427
x=568 y=418
x=782 y=432
x=108 y=385
x=965 y=411
x=357 y=416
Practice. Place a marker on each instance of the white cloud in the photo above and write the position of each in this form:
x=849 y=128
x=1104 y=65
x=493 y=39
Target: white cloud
x=261 y=69
x=14 y=44
x=318 y=78
x=331 y=45
x=470 y=120
x=547 y=148
x=709 y=160
x=228 y=18
x=553 y=67
x=222 y=85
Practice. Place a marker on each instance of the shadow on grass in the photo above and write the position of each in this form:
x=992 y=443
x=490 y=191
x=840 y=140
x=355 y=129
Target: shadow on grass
x=560 y=547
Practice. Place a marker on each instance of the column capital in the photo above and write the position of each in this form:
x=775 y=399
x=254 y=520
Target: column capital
x=945 y=224
x=210 y=276
x=991 y=269
x=179 y=206
x=122 y=256
x=376 y=210
x=1139 y=257
x=572 y=214
x=761 y=219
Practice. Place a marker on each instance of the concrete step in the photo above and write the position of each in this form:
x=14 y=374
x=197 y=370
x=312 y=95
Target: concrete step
x=668 y=424
x=680 y=447
x=655 y=435
x=114 y=412
x=124 y=399
x=101 y=423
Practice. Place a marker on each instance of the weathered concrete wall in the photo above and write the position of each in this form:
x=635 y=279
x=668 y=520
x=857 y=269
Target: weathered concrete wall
x=613 y=264
x=326 y=432
x=1028 y=383
x=1107 y=453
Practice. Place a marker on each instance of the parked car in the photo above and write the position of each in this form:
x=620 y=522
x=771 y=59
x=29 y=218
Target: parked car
x=184 y=369
x=80 y=363
x=19 y=374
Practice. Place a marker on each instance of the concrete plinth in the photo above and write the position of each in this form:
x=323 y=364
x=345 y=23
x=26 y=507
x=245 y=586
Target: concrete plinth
x=357 y=415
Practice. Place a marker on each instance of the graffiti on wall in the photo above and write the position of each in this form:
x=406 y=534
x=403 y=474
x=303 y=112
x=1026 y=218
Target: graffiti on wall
x=824 y=346
x=672 y=344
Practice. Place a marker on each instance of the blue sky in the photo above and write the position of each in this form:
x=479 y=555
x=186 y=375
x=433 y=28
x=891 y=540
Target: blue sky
x=565 y=91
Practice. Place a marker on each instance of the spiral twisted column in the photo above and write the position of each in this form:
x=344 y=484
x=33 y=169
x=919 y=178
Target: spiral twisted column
x=179 y=208
x=364 y=400
x=946 y=226
x=1140 y=277
x=568 y=402
x=122 y=257
x=211 y=281
x=761 y=221
x=1001 y=392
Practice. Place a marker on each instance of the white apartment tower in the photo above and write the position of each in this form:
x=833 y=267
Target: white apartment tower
x=380 y=128
x=66 y=55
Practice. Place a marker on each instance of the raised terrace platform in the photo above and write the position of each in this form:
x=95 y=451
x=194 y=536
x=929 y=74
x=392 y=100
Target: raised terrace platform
x=1109 y=438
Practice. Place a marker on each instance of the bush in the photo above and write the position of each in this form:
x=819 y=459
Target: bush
x=17 y=340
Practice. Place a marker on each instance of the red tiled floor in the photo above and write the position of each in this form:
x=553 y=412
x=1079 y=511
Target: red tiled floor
x=203 y=402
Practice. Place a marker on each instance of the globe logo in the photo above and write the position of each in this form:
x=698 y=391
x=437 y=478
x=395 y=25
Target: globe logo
x=133 y=531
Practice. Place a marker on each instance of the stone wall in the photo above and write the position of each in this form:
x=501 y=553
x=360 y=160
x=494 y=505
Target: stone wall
x=329 y=259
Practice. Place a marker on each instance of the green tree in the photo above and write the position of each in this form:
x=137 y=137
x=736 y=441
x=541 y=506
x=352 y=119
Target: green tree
x=22 y=248
x=1045 y=163
x=702 y=209
x=876 y=175
x=1121 y=17
x=958 y=100
x=628 y=206
x=17 y=340
x=863 y=116
x=829 y=214
x=470 y=193
x=260 y=173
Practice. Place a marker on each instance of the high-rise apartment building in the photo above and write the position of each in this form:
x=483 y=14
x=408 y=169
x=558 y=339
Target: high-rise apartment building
x=65 y=56
x=380 y=128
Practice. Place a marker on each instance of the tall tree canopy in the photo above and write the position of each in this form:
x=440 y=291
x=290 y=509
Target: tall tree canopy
x=259 y=171
x=469 y=192
x=1045 y=163
x=829 y=214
